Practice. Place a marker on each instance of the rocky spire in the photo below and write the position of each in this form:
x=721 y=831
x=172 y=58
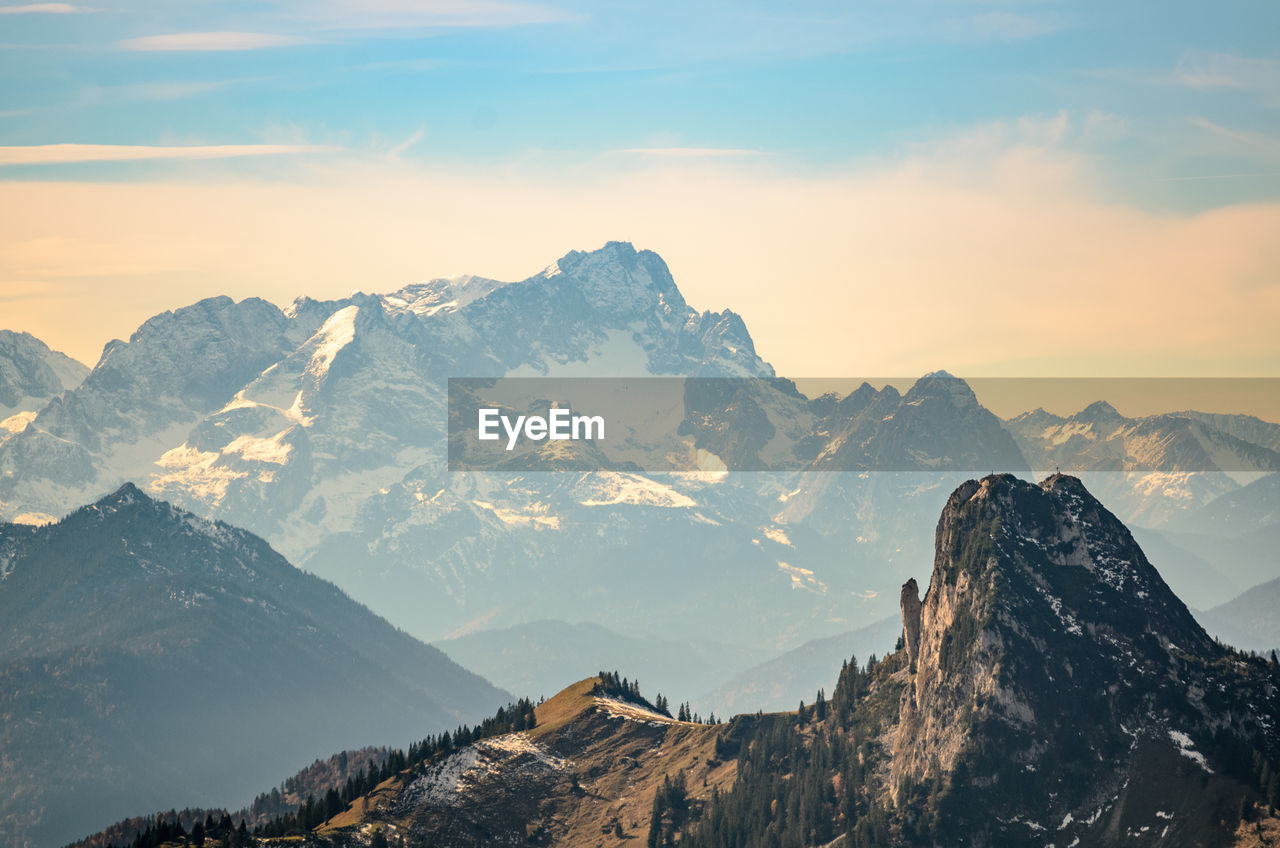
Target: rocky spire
x=910 y=602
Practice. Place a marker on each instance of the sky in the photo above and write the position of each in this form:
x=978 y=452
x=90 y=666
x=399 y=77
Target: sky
x=994 y=188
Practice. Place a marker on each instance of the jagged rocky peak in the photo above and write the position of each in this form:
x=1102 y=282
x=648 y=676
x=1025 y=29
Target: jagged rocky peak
x=940 y=384
x=446 y=294
x=1052 y=657
x=618 y=278
x=194 y=356
x=31 y=373
x=131 y=504
x=126 y=495
x=1100 y=412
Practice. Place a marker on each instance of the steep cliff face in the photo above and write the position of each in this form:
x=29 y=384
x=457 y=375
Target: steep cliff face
x=31 y=374
x=1056 y=670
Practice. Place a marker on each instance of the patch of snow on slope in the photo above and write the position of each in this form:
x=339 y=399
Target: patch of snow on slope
x=708 y=463
x=1062 y=433
x=802 y=578
x=448 y=781
x=515 y=518
x=442 y=295
x=618 y=708
x=611 y=488
x=335 y=334
x=17 y=422
x=194 y=472
x=207 y=474
x=274 y=450
x=619 y=355
x=778 y=535
x=1185 y=747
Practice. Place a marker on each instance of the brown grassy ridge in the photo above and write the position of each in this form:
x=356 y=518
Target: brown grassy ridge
x=616 y=758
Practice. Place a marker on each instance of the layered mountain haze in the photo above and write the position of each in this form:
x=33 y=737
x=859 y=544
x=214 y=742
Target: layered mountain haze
x=1052 y=690
x=1249 y=620
x=322 y=428
x=1251 y=509
x=538 y=657
x=793 y=677
x=30 y=376
x=150 y=658
x=1156 y=468
x=1049 y=689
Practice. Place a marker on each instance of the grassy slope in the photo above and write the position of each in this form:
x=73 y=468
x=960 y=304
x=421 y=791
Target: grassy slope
x=618 y=756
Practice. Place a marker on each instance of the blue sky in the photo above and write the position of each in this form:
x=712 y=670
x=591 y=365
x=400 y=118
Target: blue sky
x=1151 y=117
x=1191 y=91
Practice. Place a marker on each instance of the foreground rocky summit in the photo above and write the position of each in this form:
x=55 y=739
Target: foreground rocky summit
x=1060 y=690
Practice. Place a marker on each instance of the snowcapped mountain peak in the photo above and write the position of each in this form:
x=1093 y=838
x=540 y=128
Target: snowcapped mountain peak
x=333 y=335
x=444 y=294
x=620 y=280
x=1099 y=410
x=940 y=384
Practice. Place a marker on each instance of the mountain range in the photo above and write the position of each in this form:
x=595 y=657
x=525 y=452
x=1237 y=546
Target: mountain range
x=30 y=376
x=1048 y=689
x=150 y=658
x=321 y=428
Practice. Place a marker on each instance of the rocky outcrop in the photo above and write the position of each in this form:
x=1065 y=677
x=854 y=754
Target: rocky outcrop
x=31 y=373
x=1053 y=666
x=910 y=603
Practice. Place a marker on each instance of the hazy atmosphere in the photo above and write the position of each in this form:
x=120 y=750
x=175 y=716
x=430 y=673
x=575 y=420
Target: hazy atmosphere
x=1101 y=183
x=455 y=423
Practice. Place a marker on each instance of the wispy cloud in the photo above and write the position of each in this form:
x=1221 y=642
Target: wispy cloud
x=1203 y=70
x=45 y=9
x=1104 y=126
x=408 y=66
x=159 y=91
x=1001 y=26
x=51 y=154
x=1263 y=146
x=409 y=142
x=690 y=152
x=210 y=41
x=394 y=14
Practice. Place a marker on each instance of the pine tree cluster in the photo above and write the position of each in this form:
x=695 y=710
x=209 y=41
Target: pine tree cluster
x=610 y=684
x=167 y=828
x=316 y=811
x=802 y=776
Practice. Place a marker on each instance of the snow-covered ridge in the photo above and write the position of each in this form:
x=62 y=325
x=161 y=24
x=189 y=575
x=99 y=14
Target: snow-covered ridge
x=450 y=781
x=615 y=488
x=335 y=334
x=432 y=297
x=619 y=708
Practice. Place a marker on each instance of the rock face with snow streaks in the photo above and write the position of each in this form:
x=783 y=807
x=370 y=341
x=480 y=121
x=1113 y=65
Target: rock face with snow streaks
x=1055 y=668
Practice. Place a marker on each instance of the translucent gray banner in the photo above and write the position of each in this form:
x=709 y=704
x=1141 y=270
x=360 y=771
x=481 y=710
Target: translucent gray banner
x=934 y=423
